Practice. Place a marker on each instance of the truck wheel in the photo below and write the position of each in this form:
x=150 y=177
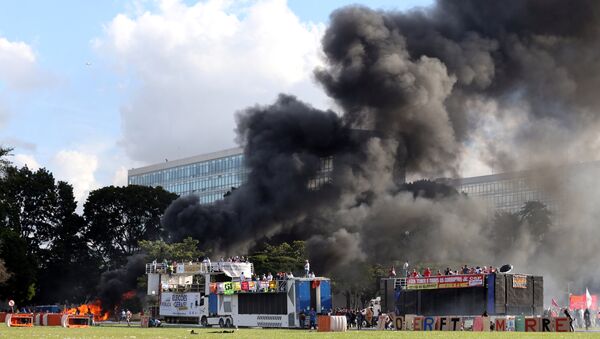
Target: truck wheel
x=228 y=323
x=204 y=321
x=221 y=323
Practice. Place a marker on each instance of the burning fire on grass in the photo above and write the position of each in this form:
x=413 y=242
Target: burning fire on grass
x=96 y=309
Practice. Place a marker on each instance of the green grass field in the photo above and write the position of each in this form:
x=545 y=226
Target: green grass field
x=136 y=332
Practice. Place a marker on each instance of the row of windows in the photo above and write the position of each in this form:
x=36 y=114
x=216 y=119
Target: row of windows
x=211 y=179
x=501 y=186
x=212 y=183
x=210 y=167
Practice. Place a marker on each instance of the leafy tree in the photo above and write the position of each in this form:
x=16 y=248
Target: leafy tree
x=117 y=218
x=535 y=217
x=182 y=251
x=285 y=257
x=359 y=284
x=20 y=286
x=4 y=163
x=68 y=269
x=4 y=273
x=30 y=204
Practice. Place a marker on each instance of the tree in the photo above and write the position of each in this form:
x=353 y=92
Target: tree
x=4 y=273
x=285 y=257
x=117 y=218
x=535 y=217
x=4 y=163
x=29 y=205
x=68 y=269
x=20 y=286
x=182 y=251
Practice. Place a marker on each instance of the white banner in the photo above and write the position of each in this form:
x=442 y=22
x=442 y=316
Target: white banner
x=180 y=304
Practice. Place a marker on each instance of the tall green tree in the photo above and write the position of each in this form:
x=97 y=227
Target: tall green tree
x=117 y=218
x=21 y=284
x=285 y=257
x=30 y=205
x=68 y=270
x=4 y=163
x=182 y=251
x=536 y=218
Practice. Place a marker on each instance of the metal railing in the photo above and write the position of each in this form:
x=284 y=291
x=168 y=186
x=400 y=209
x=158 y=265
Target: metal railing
x=192 y=267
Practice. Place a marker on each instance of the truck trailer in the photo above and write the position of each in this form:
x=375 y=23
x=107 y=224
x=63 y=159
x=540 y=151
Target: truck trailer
x=469 y=294
x=219 y=294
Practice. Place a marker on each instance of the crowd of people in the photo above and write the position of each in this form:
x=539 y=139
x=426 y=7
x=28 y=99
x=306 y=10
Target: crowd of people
x=428 y=272
x=279 y=275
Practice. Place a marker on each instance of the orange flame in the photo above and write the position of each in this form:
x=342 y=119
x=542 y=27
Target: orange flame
x=94 y=308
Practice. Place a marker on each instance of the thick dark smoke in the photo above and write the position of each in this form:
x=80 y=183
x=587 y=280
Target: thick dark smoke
x=425 y=93
x=113 y=284
x=284 y=144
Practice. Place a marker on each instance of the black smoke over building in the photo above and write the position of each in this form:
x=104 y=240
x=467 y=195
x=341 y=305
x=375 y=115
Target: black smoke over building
x=513 y=82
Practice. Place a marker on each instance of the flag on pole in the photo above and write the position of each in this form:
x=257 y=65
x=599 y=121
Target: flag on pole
x=588 y=298
x=554 y=303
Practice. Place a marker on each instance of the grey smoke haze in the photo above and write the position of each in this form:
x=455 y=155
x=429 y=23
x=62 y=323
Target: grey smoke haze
x=515 y=81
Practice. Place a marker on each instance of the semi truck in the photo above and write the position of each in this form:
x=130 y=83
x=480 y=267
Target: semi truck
x=221 y=294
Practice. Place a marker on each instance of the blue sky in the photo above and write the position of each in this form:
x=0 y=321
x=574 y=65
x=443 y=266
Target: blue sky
x=92 y=88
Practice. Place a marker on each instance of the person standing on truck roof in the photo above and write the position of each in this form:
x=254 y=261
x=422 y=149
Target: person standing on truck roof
x=306 y=268
x=405 y=269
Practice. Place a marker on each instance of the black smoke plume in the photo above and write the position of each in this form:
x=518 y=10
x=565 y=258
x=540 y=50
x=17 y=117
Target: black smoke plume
x=113 y=284
x=424 y=93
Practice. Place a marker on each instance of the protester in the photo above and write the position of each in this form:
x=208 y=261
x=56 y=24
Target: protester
x=359 y=319
x=313 y=319
x=568 y=315
x=405 y=269
x=302 y=318
x=306 y=268
x=586 y=319
x=128 y=317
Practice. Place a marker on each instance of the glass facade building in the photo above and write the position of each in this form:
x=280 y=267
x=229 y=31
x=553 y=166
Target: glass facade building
x=209 y=176
x=506 y=192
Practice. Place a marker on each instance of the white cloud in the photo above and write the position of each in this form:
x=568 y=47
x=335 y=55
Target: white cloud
x=193 y=66
x=19 y=72
x=20 y=160
x=78 y=169
x=120 y=177
x=18 y=66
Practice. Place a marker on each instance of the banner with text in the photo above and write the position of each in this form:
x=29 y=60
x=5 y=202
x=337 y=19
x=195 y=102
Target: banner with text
x=446 y=281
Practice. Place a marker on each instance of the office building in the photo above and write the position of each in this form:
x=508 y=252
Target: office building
x=209 y=176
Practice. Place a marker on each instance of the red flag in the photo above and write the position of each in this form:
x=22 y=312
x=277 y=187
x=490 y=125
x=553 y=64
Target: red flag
x=554 y=303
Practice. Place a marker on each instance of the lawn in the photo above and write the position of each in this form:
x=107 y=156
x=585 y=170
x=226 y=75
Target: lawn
x=137 y=332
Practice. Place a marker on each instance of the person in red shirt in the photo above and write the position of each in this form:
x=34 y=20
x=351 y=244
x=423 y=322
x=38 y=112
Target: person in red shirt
x=427 y=272
x=414 y=274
